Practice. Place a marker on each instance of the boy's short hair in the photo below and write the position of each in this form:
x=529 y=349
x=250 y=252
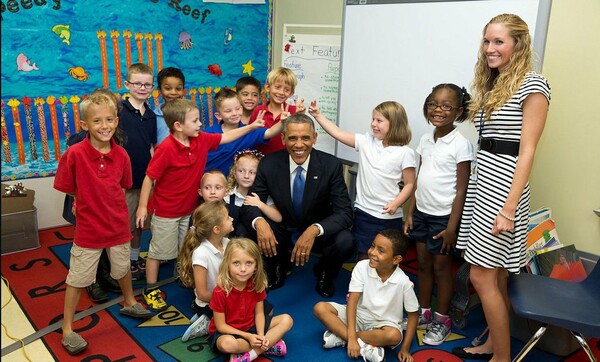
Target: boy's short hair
x=222 y=95
x=399 y=243
x=246 y=81
x=170 y=72
x=138 y=68
x=99 y=99
x=213 y=171
x=176 y=110
x=285 y=75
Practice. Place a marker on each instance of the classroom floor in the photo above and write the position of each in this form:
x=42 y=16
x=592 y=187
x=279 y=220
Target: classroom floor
x=36 y=294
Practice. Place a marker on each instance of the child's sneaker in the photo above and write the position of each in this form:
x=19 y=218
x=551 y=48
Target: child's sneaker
x=198 y=328
x=439 y=331
x=330 y=340
x=240 y=357
x=423 y=323
x=279 y=349
x=154 y=300
x=136 y=272
x=372 y=353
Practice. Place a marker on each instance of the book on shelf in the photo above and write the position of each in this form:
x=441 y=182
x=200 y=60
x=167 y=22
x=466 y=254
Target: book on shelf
x=539 y=236
x=561 y=263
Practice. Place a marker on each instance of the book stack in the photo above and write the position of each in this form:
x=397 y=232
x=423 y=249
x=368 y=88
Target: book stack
x=546 y=255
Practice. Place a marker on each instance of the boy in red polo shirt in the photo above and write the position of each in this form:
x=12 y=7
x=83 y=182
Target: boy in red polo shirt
x=280 y=86
x=173 y=177
x=95 y=171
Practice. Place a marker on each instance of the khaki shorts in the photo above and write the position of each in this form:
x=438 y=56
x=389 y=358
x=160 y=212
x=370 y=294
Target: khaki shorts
x=83 y=264
x=363 y=324
x=167 y=236
x=132 y=197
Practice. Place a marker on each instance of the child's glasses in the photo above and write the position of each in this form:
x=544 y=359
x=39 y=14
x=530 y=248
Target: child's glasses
x=444 y=107
x=142 y=85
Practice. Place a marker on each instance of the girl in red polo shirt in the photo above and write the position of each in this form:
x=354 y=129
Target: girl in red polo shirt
x=239 y=323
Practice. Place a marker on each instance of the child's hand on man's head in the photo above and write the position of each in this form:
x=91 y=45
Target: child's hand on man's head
x=285 y=112
x=299 y=106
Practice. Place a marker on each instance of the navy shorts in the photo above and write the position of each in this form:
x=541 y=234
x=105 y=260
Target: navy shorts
x=366 y=228
x=212 y=338
x=425 y=227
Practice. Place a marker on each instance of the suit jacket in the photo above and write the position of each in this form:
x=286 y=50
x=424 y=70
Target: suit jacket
x=325 y=201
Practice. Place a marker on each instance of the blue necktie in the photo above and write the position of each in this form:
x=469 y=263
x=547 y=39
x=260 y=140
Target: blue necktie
x=298 y=192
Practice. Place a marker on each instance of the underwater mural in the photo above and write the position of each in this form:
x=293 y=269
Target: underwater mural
x=55 y=52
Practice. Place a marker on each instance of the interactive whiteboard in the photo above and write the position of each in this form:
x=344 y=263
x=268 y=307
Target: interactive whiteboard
x=399 y=50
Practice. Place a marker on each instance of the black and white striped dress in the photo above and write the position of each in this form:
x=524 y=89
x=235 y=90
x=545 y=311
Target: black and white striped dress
x=490 y=184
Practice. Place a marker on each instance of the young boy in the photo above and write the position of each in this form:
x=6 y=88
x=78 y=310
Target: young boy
x=138 y=124
x=171 y=85
x=379 y=292
x=96 y=171
x=248 y=89
x=229 y=113
x=175 y=172
x=280 y=86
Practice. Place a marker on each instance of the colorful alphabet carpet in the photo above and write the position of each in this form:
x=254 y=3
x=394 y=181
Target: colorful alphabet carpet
x=37 y=283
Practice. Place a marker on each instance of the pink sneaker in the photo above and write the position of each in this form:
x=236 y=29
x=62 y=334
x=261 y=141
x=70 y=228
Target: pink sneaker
x=240 y=357
x=279 y=349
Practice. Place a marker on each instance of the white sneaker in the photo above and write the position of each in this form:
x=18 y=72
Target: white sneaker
x=330 y=340
x=372 y=353
x=198 y=328
x=439 y=331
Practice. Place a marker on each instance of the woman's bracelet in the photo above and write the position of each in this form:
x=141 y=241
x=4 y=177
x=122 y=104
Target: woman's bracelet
x=506 y=217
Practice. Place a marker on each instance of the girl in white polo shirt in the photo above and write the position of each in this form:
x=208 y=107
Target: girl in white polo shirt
x=386 y=170
x=434 y=213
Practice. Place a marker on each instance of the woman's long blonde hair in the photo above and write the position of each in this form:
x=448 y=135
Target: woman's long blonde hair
x=491 y=88
x=259 y=279
x=205 y=218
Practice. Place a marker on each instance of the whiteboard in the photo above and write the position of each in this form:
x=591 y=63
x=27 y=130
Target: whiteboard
x=400 y=50
x=313 y=53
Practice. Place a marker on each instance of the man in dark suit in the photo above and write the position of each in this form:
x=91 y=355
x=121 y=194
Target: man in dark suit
x=315 y=206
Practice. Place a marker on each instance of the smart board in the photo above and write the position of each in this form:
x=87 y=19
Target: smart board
x=399 y=50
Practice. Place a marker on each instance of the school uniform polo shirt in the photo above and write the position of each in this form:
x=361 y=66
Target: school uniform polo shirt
x=98 y=181
x=382 y=301
x=275 y=143
x=222 y=157
x=177 y=170
x=436 y=182
x=238 y=306
x=139 y=133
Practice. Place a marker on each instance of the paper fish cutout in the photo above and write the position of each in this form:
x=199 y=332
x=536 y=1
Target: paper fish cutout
x=24 y=64
x=215 y=69
x=63 y=31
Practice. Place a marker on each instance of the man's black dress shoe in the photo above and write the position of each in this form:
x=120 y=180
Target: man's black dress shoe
x=276 y=277
x=460 y=352
x=96 y=293
x=109 y=283
x=324 y=285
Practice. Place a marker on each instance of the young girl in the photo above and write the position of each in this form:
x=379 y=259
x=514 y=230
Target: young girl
x=199 y=260
x=241 y=178
x=434 y=213
x=246 y=332
x=385 y=164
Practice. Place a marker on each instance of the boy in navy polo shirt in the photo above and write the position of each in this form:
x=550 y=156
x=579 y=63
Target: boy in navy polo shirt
x=95 y=171
x=138 y=125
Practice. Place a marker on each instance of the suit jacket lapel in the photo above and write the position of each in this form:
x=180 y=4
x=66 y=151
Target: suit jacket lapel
x=311 y=184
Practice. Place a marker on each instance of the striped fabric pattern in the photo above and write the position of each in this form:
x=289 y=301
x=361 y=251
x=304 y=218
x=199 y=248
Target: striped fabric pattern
x=490 y=184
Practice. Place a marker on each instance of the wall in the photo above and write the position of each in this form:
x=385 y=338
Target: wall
x=566 y=173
